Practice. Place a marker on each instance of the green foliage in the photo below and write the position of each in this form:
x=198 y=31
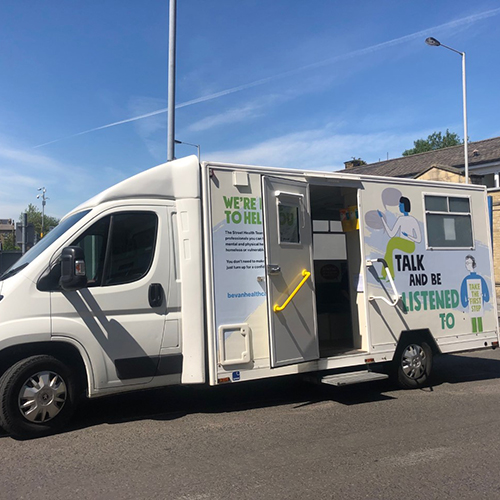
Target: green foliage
x=35 y=217
x=434 y=141
x=9 y=242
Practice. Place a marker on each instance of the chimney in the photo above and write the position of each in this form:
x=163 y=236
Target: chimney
x=355 y=162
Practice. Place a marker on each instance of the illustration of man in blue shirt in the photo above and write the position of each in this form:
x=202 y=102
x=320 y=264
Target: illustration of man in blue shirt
x=473 y=293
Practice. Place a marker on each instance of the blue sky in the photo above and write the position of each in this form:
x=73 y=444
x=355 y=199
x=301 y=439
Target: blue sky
x=284 y=83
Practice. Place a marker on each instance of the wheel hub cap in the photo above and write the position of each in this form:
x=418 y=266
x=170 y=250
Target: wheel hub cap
x=414 y=361
x=42 y=396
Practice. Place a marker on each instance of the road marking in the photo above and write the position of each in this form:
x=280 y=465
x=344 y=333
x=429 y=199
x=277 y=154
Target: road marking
x=419 y=457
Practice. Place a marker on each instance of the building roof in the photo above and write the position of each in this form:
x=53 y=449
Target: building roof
x=5 y=225
x=480 y=153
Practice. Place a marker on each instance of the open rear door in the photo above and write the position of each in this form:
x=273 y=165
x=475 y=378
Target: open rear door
x=289 y=267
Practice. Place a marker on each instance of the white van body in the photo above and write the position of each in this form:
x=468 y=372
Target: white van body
x=190 y=269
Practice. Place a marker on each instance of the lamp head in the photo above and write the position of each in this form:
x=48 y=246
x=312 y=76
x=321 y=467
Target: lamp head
x=432 y=42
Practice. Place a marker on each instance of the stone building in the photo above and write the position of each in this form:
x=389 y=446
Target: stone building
x=448 y=165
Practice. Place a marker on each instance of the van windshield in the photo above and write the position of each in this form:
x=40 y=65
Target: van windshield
x=43 y=244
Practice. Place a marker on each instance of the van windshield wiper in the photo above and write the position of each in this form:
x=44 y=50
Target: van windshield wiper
x=12 y=272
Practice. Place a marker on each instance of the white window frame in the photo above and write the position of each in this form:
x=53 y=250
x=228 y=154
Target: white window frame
x=434 y=212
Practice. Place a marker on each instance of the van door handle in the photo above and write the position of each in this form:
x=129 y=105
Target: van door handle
x=273 y=269
x=155 y=295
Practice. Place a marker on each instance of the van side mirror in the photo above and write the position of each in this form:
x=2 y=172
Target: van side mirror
x=73 y=275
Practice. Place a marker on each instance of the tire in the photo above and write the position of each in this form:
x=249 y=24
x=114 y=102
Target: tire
x=37 y=397
x=413 y=364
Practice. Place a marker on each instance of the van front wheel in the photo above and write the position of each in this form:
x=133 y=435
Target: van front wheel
x=414 y=364
x=37 y=397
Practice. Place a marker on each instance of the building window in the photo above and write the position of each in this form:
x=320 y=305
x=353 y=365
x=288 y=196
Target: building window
x=448 y=222
x=489 y=180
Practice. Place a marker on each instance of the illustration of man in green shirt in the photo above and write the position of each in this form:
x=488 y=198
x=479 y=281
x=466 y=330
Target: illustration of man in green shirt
x=409 y=230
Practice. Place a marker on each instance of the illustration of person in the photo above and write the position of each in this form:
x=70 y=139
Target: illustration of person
x=473 y=293
x=409 y=231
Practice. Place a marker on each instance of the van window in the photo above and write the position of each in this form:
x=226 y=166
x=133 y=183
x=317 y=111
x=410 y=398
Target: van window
x=93 y=243
x=288 y=223
x=44 y=243
x=448 y=222
x=119 y=248
x=131 y=247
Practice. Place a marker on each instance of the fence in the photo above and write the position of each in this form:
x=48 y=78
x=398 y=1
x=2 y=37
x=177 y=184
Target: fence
x=7 y=258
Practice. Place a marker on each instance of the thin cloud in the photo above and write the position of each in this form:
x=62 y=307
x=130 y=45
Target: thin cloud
x=232 y=115
x=114 y=124
x=237 y=114
x=465 y=21
x=23 y=172
x=317 y=149
x=152 y=131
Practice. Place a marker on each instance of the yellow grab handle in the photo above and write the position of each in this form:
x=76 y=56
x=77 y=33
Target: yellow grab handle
x=306 y=275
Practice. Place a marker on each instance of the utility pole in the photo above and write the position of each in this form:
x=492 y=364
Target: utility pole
x=44 y=202
x=197 y=146
x=24 y=225
x=171 y=82
x=436 y=43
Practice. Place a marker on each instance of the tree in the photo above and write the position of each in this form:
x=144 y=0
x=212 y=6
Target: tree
x=35 y=217
x=434 y=141
x=9 y=242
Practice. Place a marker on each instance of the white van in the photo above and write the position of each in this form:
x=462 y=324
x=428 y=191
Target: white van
x=218 y=273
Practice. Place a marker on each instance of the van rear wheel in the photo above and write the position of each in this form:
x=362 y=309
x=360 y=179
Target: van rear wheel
x=413 y=364
x=37 y=396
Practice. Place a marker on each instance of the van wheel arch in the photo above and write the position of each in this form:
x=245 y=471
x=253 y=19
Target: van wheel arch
x=63 y=351
x=423 y=334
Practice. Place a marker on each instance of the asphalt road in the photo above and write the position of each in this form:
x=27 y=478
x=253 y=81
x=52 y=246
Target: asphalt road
x=279 y=439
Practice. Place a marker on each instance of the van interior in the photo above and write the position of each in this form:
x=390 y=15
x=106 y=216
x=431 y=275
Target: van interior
x=337 y=261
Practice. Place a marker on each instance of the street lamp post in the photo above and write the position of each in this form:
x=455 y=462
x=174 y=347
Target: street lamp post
x=44 y=202
x=435 y=43
x=171 y=81
x=197 y=146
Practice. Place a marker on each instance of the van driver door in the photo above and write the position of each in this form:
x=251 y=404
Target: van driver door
x=289 y=268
